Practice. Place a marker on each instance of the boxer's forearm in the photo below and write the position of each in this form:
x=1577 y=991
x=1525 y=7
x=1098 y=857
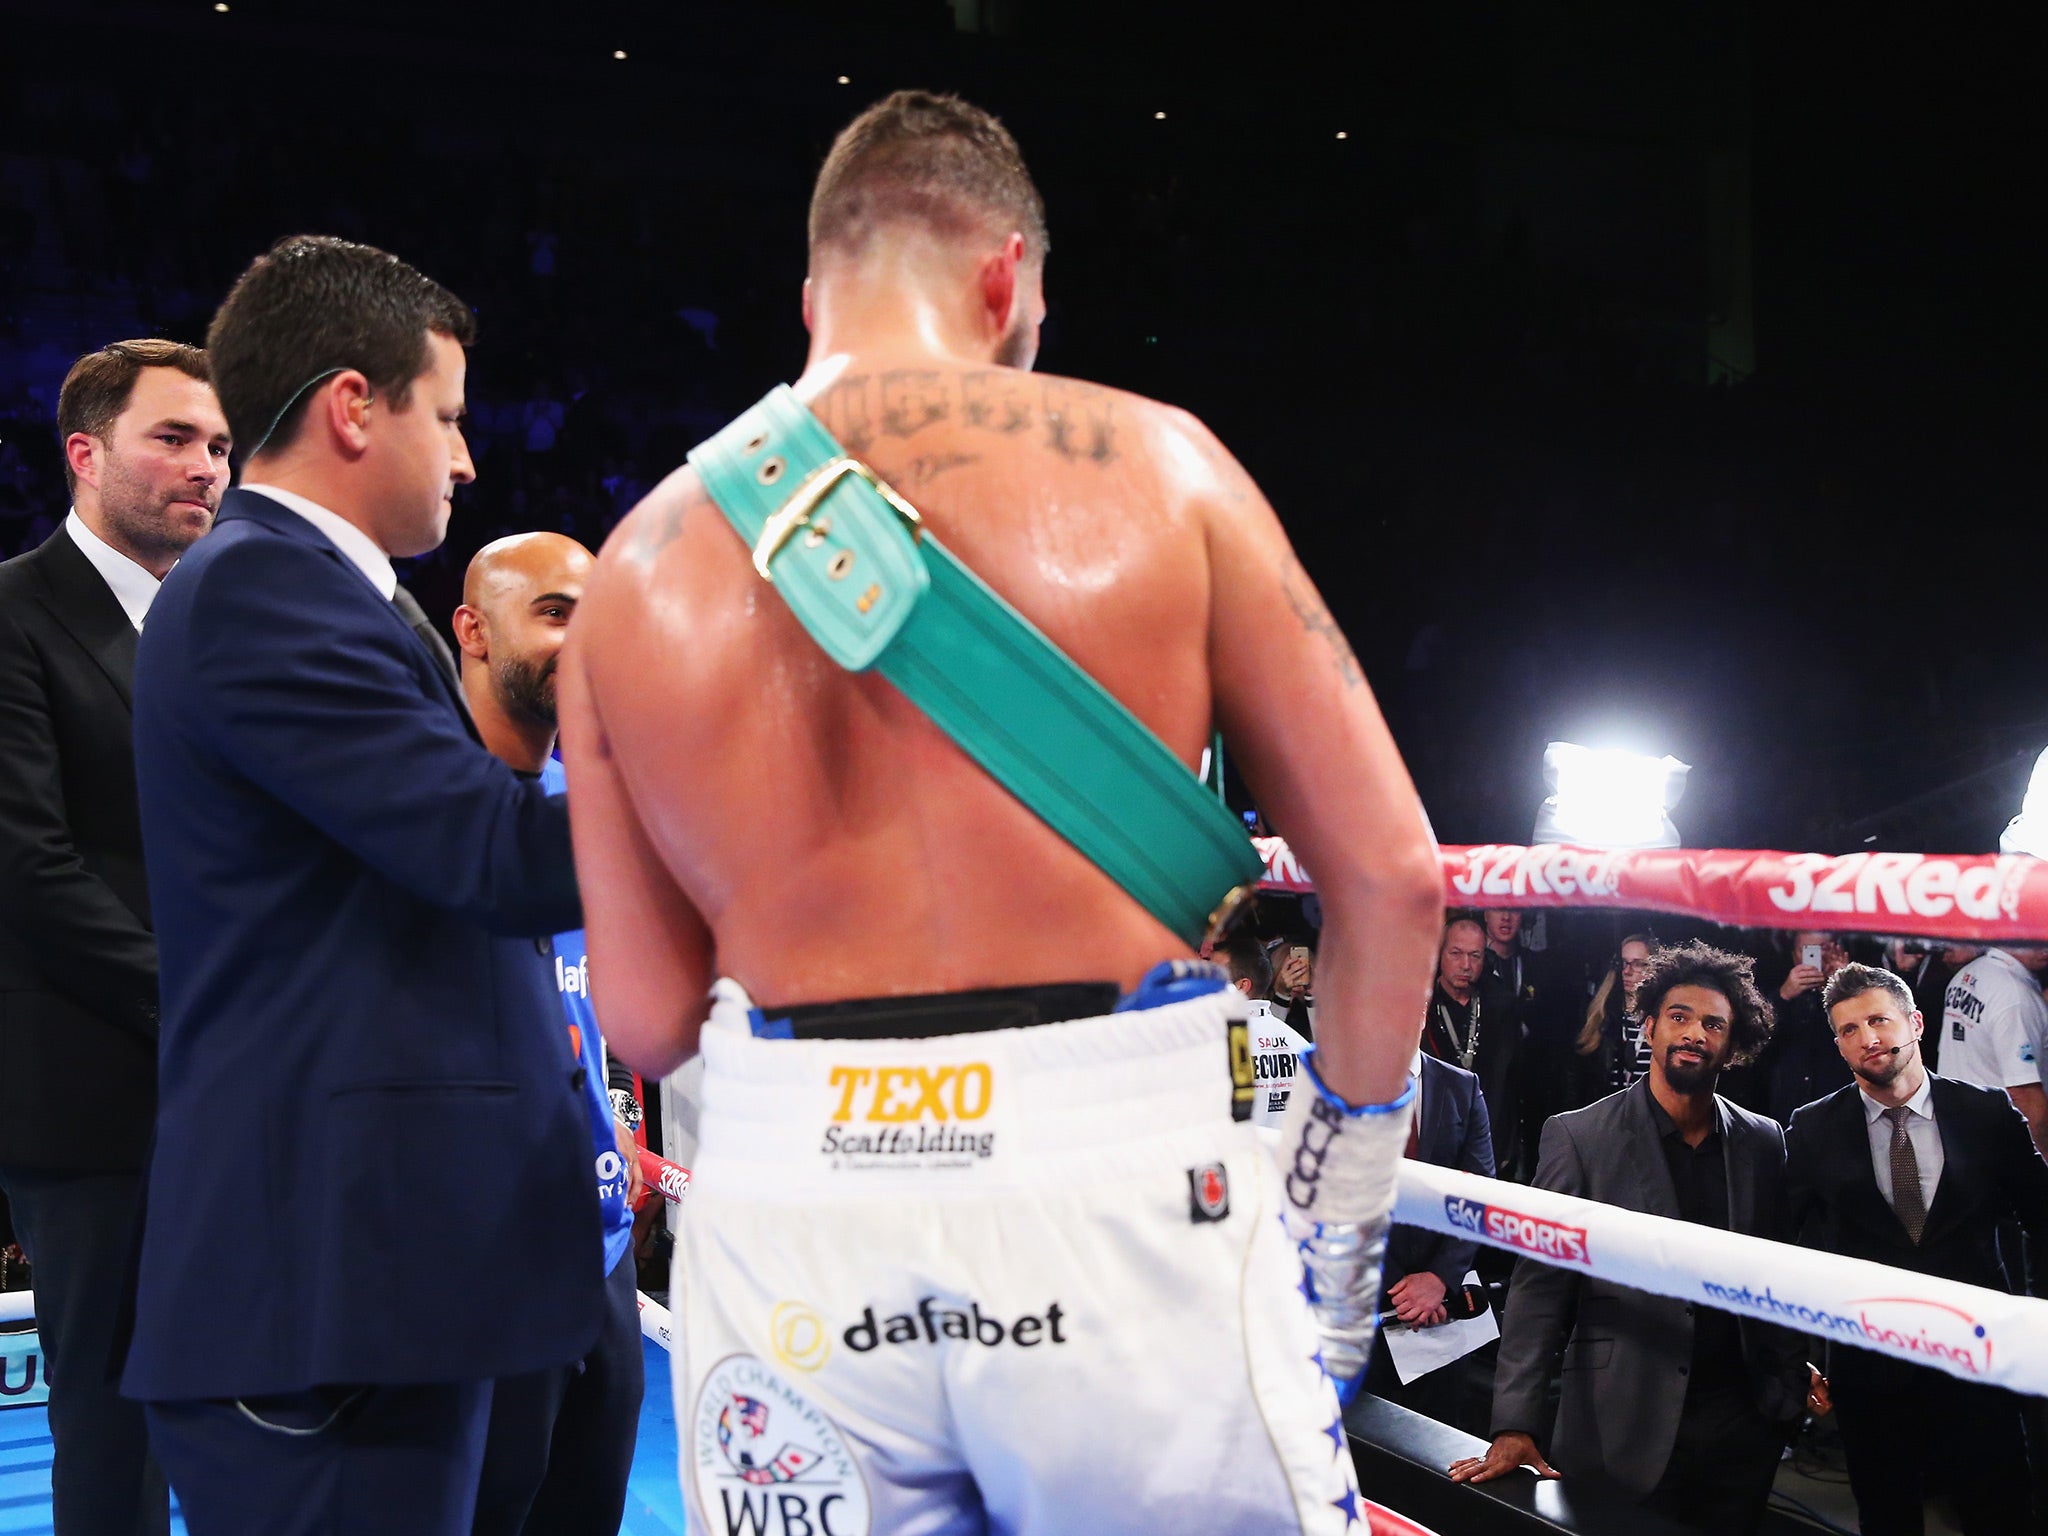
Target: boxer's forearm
x=1372 y=978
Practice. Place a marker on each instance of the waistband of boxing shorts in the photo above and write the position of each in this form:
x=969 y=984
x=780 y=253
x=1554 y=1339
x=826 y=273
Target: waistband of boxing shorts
x=1087 y=1100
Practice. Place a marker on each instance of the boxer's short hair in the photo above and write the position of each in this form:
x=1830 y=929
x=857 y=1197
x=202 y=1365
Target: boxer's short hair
x=313 y=305
x=916 y=157
x=97 y=389
x=1733 y=976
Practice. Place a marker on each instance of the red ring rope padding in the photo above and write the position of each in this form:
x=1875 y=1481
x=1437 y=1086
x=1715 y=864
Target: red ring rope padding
x=1385 y=1522
x=663 y=1176
x=1971 y=898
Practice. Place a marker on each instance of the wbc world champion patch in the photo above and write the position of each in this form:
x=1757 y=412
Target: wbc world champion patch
x=1208 y=1193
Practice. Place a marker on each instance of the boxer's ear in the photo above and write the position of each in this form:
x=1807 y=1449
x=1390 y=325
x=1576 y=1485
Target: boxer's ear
x=1000 y=289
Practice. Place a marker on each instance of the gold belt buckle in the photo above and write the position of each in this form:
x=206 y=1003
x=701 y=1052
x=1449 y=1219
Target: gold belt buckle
x=1233 y=902
x=795 y=512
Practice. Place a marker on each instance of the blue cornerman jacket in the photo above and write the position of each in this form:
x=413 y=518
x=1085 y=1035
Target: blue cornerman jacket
x=572 y=978
x=371 y=1163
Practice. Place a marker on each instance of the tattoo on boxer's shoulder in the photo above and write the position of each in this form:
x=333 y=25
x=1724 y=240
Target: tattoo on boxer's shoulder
x=1074 y=420
x=661 y=527
x=913 y=399
x=847 y=411
x=1080 y=421
x=1315 y=618
x=1231 y=475
x=929 y=467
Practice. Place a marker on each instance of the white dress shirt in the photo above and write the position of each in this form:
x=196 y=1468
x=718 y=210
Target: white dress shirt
x=134 y=588
x=361 y=549
x=1921 y=1131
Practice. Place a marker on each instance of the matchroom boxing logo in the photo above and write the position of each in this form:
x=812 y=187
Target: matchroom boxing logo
x=909 y=1117
x=766 y=1461
x=1907 y=1326
x=1550 y=1240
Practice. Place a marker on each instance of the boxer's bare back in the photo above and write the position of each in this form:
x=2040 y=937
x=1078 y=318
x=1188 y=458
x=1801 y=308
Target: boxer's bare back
x=744 y=807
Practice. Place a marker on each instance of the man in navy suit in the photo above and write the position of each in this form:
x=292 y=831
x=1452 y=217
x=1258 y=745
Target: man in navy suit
x=1916 y=1171
x=370 y=1191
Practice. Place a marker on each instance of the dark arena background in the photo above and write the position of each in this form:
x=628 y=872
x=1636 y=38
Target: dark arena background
x=1657 y=376
x=1662 y=375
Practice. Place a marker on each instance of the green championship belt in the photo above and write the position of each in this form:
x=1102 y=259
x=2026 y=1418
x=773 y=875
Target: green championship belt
x=854 y=563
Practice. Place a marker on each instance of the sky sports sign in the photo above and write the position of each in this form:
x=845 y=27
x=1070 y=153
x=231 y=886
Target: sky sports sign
x=1496 y=1224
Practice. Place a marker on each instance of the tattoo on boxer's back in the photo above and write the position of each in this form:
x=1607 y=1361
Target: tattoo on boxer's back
x=1074 y=420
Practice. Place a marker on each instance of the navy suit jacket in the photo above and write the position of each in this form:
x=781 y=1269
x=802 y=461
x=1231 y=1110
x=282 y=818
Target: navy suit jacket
x=1455 y=1134
x=371 y=1165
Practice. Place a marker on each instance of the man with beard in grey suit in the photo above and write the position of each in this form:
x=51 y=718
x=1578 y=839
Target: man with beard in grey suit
x=1685 y=1409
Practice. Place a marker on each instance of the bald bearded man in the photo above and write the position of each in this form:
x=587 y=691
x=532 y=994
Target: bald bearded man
x=968 y=1245
x=561 y=1441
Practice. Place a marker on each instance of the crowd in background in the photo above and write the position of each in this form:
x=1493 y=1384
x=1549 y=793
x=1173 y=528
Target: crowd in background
x=1554 y=994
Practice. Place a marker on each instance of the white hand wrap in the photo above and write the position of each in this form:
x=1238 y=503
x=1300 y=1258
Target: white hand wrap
x=1339 y=1169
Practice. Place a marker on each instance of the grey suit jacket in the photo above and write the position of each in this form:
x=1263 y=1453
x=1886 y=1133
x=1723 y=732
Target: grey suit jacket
x=1626 y=1352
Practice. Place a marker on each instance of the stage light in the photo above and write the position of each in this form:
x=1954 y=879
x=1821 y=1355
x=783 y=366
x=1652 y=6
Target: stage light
x=221 y=6
x=2028 y=832
x=1608 y=798
x=618 y=53
x=845 y=80
x=1343 y=135
x=1158 y=117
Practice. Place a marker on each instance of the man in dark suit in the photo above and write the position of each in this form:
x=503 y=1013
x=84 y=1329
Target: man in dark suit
x=1423 y=1268
x=1916 y=1171
x=371 y=1189
x=145 y=450
x=1683 y=1408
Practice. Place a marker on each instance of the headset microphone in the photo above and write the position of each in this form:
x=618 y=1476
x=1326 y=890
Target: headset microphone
x=1898 y=1048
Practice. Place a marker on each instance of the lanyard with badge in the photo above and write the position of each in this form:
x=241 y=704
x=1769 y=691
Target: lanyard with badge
x=1470 y=1047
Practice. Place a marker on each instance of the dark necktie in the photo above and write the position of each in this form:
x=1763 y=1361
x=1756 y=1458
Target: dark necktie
x=1907 y=1200
x=410 y=610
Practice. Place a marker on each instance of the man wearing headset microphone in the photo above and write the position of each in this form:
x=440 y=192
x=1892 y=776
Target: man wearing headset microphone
x=1906 y=1168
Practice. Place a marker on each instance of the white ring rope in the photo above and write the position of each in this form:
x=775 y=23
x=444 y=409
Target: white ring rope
x=1966 y=1330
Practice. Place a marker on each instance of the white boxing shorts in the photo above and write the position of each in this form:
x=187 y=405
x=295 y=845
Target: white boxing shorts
x=1027 y=1281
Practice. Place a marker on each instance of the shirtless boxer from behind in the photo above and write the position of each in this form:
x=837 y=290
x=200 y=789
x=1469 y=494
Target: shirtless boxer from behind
x=1000 y=1260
